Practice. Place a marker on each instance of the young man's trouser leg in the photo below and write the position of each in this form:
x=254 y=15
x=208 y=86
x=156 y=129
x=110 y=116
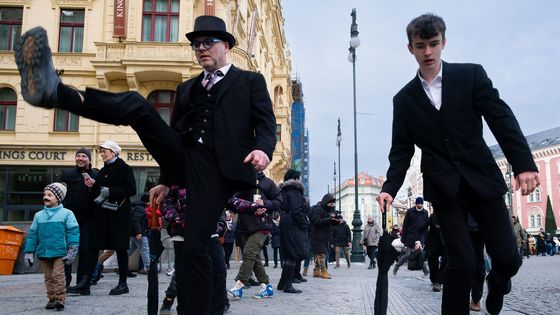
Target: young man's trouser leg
x=495 y=225
x=252 y=259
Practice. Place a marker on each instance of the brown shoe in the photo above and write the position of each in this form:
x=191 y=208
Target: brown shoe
x=475 y=306
x=317 y=273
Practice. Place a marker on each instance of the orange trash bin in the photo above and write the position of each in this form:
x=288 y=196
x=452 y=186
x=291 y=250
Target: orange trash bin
x=10 y=241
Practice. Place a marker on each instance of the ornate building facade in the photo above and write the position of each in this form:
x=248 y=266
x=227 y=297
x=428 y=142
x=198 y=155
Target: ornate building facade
x=121 y=45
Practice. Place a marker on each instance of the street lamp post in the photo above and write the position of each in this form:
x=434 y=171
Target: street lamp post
x=357 y=253
x=338 y=141
x=334 y=181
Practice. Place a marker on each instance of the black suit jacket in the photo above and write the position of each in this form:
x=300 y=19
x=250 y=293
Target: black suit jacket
x=451 y=138
x=243 y=121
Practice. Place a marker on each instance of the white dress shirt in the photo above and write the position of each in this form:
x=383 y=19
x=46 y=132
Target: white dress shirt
x=433 y=90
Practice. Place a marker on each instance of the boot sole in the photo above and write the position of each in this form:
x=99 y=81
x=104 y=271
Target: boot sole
x=34 y=61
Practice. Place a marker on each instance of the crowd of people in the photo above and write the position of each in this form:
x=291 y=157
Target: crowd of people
x=222 y=133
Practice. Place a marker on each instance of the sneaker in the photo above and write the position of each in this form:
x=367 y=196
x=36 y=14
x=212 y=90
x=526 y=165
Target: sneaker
x=39 y=81
x=265 y=292
x=236 y=293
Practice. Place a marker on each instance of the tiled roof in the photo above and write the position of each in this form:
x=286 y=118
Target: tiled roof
x=536 y=141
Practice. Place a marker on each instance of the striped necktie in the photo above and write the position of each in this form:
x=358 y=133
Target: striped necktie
x=210 y=79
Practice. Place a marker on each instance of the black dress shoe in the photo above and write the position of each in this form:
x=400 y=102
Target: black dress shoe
x=81 y=288
x=296 y=280
x=39 y=81
x=121 y=288
x=291 y=289
x=131 y=274
x=300 y=279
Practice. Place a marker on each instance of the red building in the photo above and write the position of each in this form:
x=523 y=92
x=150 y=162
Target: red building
x=531 y=210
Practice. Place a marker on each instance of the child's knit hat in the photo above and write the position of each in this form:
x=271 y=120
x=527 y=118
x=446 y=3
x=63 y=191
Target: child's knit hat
x=58 y=189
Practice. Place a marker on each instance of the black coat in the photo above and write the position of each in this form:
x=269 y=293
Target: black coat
x=243 y=121
x=114 y=226
x=320 y=217
x=78 y=198
x=294 y=223
x=451 y=139
x=139 y=219
x=341 y=235
x=414 y=227
x=275 y=242
x=272 y=199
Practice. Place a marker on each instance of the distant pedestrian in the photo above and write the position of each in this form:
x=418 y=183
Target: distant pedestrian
x=139 y=232
x=370 y=240
x=275 y=243
x=341 y=241
x=53 y=238
x=229 y=237
x=520 y=234
x=322 y=218
x=413 y=234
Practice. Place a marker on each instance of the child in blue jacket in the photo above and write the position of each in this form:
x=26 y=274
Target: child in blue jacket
x=53 y=238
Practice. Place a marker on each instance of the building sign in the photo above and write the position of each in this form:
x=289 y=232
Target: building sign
x=119 y=22
x=139 y=156
x=32 y=155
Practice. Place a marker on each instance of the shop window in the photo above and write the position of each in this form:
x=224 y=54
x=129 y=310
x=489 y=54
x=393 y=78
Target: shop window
x=146 y=178
x=65 y=121
x=163 y=102
x=71 y=36
x=10 y=27
x=8 y=104
x=160 y=21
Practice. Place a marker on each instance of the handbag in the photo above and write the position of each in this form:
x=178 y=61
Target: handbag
x=416 y=260
x=113 y=206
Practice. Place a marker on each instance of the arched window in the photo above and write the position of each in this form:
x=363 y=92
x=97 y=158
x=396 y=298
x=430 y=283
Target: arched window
x=8 y=104
x=163 y=102
x=532 y=221
x=539 y=220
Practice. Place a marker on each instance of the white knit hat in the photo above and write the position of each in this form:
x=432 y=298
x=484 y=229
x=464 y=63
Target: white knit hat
x=111 y=145
x=58 y=189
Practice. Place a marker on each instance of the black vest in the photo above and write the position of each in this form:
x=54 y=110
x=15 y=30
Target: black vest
x=201 y=120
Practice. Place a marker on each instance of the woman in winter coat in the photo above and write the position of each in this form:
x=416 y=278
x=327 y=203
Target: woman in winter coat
x=275 y=243
x=293 y=228
x=112 y=190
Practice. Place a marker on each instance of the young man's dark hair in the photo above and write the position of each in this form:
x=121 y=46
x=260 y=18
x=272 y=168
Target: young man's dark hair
x=426 y=26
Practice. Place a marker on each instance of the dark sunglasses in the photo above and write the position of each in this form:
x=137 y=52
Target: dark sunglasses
x=207 y=43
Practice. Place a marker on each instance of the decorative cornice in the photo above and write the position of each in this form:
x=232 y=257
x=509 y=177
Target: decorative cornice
x=21 y=2
x=72 y=3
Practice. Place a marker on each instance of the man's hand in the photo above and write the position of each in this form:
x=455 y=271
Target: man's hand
x=258 y=159
x=349 y=244
x=527 y=181
x=158 y=193
x=384 y=198
x=260 y=212
x=417 y=245
x=89 y=182
x=260 y=202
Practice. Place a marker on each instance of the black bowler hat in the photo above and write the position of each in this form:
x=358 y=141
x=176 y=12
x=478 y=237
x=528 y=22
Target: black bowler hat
x=209 y=25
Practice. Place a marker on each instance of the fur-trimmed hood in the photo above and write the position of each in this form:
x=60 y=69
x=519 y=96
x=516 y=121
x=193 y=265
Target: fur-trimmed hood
x=292 y=183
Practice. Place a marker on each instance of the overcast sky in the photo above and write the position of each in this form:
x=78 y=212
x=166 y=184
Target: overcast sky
x=516 y=41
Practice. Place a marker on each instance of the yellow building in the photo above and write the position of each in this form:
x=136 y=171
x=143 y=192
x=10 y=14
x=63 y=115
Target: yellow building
x=121 y=45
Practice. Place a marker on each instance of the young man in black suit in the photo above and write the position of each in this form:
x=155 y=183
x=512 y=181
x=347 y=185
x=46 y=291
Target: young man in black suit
x=222 y=130
x=441 y=111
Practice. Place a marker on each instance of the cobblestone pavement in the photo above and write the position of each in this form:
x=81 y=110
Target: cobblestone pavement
x=536 y=290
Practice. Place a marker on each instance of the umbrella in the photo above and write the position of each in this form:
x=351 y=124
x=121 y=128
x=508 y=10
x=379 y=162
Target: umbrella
x=156 y=249
x=385 y=257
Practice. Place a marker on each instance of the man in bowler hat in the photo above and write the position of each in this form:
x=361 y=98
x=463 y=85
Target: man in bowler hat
x=440 y=110
x=222 y=130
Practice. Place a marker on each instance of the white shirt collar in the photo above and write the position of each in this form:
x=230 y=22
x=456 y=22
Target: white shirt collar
x=437 y=78
x=224 y=70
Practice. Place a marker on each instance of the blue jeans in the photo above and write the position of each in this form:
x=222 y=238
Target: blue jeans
x=143 y=246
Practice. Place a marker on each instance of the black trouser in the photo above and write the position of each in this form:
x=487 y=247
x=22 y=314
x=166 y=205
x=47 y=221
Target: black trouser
x=434 y=250
x=480 y=268
x=495 y=225
x=82 y=252
x=217 y=293
x=228 y=249
x=371 y=254
x=122 y=261
x=207 y=188
x=277 y=254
